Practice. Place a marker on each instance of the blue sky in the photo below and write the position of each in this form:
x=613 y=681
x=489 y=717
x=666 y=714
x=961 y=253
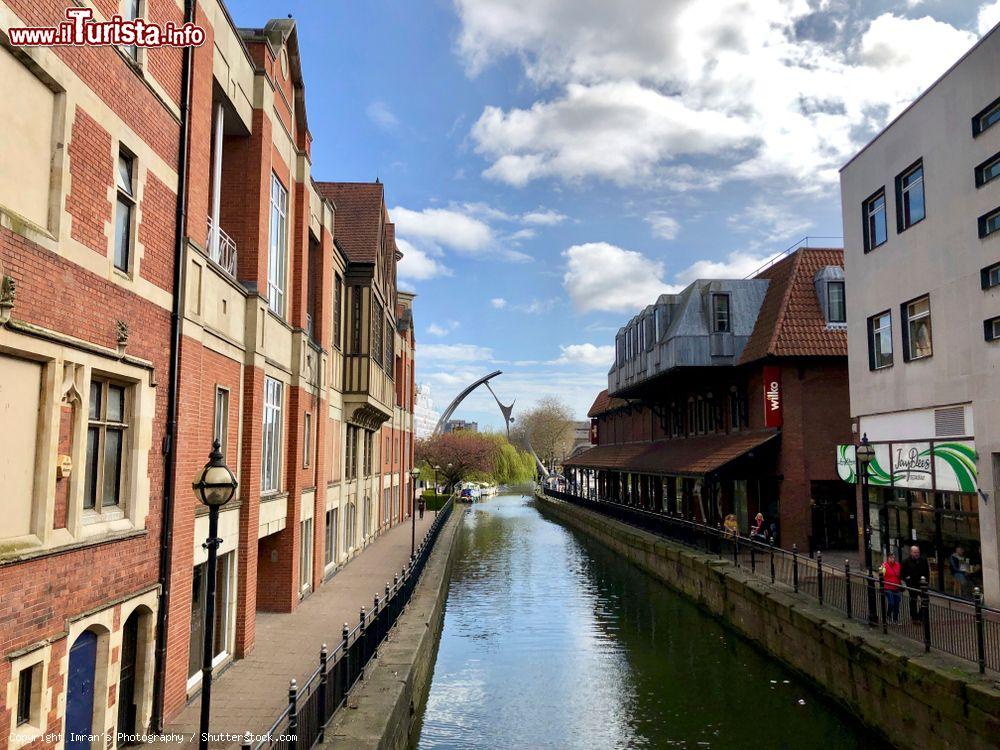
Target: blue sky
x=554 y=165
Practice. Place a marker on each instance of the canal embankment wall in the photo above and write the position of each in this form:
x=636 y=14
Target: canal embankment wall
x=911 y=698
x=382 y=708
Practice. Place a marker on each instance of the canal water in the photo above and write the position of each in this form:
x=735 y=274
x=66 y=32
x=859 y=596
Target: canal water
x=552 y=641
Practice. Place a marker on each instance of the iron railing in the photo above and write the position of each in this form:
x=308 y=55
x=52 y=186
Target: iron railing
x=311 y=707
x=225 y=254
x=968 y=630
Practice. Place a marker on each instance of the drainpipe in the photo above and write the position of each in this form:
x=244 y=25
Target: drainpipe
x=169 y=441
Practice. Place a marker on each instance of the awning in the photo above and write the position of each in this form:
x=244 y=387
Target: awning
x=681 y=457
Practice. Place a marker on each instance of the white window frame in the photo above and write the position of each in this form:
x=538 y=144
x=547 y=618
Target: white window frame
x=277 y=247
x=904 y=194
x=717 y=319
x=305 y=555
x=130 y=11
x=270 y=470
x=330 y=547
x=221 y=423
x=830 y=285
x=307 y=428
x=125 y=201
x=877 y=336
x=911 y=319
x=103 y=424
x=875 y=206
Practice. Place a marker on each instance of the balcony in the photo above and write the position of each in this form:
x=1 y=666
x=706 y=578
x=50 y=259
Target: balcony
x=221 y=248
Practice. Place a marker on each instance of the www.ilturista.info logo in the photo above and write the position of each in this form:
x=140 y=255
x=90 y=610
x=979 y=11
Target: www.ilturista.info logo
x=81 y=30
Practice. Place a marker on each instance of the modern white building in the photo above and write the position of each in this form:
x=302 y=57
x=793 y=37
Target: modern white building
x=425 y=418
x=921 y=213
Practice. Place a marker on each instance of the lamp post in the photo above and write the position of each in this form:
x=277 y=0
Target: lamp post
x=449 y=469
x=865 y=454
x=414 y=473
x=214 y=486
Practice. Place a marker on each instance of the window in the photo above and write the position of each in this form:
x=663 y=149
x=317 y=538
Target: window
x=875 y=228
x=910 y=197
x=390 y=346
x=991 y=328
x=221 y=431
x=917 y=328
x=351 y=465
x=720 y=313
x=124 y=208
x=986 y=118
x=305 y=554
x=338 y=301
x=988 y=170
x=737 y=409
x=29 y=695
x=130 y=12
x=620 y=350
x=369 y=451
x=277 y=247
x=366 y=516
x=307 y=439
x=106 y=428
x=657 y=324
x=355 y=320
x=270 y=471
x=836 y=304
x=880 y=341
x=990 y=276
x=989 y=223
x=377 y=332
x=330 y=540
x=351 y=525
x=199 y=597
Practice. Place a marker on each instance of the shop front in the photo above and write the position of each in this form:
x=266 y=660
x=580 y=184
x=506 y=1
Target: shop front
x=925 y=494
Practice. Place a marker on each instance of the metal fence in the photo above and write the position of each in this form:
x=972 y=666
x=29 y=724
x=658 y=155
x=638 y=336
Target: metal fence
x=311 y=707
x=966 y=629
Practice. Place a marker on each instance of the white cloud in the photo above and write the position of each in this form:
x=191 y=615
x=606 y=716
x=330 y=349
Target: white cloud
x=443 y=227
x=586 y=354
x=430 y=353
x=738 y=265
x=498 y=303
x=418 y=265
x=443 y=329
x=639 y=89
x=989 y=16
x=601 y=276
x=380 y=113
x=537 y=306
x=772 y=220
x=662 y=225
x=547 y=217
x=521 y=234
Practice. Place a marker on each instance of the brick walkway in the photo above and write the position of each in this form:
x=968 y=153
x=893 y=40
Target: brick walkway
x=253 y=691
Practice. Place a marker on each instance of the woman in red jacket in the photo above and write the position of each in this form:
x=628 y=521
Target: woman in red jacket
x=892 y=575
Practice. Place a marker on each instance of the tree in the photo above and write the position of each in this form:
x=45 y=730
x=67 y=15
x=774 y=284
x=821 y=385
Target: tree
x=480 y=456
x=548 y=429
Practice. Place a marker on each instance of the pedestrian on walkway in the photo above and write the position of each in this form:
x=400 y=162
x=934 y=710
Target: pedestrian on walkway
x=731 y=526
x=959 y=567
x=915 y=568
x=759 y=531
x=421 y=506
x=892 y=576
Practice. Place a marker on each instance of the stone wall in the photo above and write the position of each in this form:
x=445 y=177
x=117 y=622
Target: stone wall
x=913 y=699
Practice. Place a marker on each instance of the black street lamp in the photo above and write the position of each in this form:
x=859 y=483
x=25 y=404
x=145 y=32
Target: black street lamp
x=865 y=454
x=414 y=473
x=214 y=486
x=436 y=468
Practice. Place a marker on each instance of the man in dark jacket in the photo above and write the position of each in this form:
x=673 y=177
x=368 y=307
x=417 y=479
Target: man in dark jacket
x=915 y=567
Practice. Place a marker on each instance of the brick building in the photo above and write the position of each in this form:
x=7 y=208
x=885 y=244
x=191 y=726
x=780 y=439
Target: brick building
x=727 y=398
x=290 y=344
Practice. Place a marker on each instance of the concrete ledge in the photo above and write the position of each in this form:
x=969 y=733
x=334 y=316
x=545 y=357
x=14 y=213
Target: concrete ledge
x=913 y=699
x=381 y=709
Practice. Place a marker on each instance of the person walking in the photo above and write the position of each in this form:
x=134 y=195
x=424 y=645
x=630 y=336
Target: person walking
x=913 y=569
x=959 y=568
x=421 y=506
x=892 y=577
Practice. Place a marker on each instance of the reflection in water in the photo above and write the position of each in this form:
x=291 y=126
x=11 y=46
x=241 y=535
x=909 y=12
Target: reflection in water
x=551 y=641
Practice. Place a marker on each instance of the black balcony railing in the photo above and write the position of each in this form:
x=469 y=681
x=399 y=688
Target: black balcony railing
x=968 y=630
x=311 y=706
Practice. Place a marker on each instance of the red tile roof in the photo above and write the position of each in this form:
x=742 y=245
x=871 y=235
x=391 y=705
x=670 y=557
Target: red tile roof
x=790 y=322
x=604 y=403
x=359 y=210
x=684 y=456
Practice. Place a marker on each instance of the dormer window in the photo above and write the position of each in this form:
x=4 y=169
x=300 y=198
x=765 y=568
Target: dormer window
x=829 y=284
x=720 y=313
x=835 y=303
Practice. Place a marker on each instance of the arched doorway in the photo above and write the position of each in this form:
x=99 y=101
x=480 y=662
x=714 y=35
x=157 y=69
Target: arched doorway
x=127 y=680
x=80 y=691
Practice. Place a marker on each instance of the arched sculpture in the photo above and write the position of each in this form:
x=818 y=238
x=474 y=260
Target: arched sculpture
x=504 y=410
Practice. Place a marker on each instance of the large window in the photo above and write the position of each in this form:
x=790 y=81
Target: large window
x=990 y=276
x=270 y=472
x=277 y=247
x=987 y=118
x=106 y=430
x=836 y=304
x=351 y=453
x=130 y=12
x=369 y=451
x=355 y=320
x=124 y=208
x=338 y=302
x=989 y=223
x=720 y=313
x=199 y=595
x=305 y=554
x=390 y=346
x=876 y=231
x=910 y=197
x=377 y=332
x=917 y=328
x=221 y=429
x=880 y=341
x=330 y=538
x=988 y=171
x=29 y=694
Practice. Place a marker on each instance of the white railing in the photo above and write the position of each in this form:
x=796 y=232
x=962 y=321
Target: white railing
x=223 y=252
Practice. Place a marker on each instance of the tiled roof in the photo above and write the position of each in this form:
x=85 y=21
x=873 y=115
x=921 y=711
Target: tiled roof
x=695 y=456
x=604 y=403
x=790 y=322
x=358 y=214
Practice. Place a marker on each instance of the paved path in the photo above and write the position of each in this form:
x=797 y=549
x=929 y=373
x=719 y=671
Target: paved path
x=253 y=691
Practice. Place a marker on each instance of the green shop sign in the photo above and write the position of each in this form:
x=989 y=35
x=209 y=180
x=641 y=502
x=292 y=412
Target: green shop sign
x=944 y=467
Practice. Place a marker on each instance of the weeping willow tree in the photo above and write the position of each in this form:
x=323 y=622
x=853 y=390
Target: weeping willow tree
x=476 y=456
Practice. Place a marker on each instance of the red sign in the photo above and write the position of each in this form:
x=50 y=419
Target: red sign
x=772 y=396
x=593 y=432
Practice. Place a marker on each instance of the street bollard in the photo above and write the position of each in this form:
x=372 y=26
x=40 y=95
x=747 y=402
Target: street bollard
x=293 y=715
x=977 y=597
x=247 y=741
x=772 y=559
x=847 y=588
x=363 y=637
x=345 y=669
x=819 y=576
x=378 y=626
x=925 y=605
x=323 y=659
x=883 y=605
x=795 y=568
